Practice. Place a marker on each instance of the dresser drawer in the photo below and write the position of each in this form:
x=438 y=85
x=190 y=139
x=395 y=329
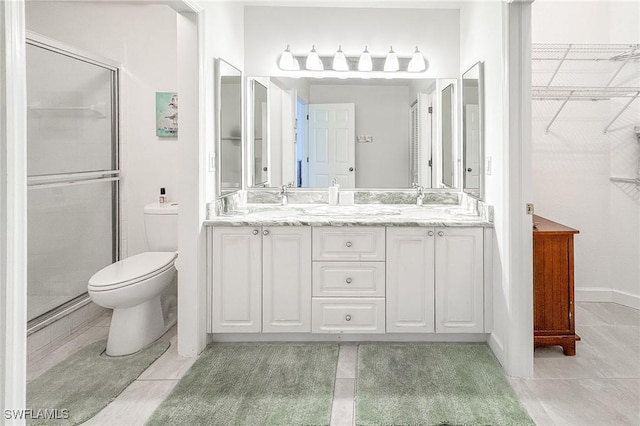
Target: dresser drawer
x=348 y=243
x=347 y=315
x=349 y=279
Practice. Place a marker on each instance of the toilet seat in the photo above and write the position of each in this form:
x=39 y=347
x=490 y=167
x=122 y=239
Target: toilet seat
x=131 y=270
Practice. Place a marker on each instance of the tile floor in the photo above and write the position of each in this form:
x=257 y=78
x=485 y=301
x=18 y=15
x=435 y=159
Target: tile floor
x=599 y=386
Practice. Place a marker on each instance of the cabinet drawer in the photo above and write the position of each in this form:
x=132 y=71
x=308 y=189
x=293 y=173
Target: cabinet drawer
x=349 y=279
x=348 y=243
x=348 y=315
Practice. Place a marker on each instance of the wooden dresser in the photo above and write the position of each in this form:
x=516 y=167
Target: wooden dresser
x=553 y=298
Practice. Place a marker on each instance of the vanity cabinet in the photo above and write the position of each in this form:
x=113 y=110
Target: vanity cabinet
x=286 y=266
x=261 y=280
x=459 y=280
x=435 y=280
x=348 y=280
x=410 y=280
x=236 y=290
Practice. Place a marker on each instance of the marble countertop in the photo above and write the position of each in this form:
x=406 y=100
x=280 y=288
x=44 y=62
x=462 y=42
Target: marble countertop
x=356 y=215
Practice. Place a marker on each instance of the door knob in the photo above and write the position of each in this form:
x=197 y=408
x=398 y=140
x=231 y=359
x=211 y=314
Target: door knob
x=350 y=169
x=265 y=232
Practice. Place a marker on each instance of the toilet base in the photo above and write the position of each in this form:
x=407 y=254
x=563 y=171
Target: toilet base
x=134 y=328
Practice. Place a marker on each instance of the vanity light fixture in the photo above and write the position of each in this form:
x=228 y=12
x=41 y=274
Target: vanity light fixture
x=365 y=63
x=343 y=63
x=287 y=60
x=340 y=61
x=314 y=63
x=391 y=64
x=417 y=63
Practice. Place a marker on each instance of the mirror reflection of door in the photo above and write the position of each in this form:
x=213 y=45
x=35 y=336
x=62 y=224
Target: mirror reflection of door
x=260 y=139
x=447 y=137
x=331 y=145
x=472 y=145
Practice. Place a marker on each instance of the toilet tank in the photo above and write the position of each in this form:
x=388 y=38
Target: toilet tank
x=161 y=226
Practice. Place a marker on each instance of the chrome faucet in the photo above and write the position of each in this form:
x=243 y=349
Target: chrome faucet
x=283 y=195
x=420 y=196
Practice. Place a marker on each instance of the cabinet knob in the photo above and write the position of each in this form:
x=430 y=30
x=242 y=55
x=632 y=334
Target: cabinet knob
x=348 y=280
x=348 y=317
x=255 y=232
x=264 y=169
x=440 y=233
x=430 y=233
x=265 y=232
x=349 y=244
x=350 y=169
x=469 y=169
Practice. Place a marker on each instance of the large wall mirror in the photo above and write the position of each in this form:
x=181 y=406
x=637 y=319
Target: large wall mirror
x=365 y=133
x=472 y=131
x=229 y=141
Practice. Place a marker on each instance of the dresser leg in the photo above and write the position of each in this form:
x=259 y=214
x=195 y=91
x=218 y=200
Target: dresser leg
x=569 y=348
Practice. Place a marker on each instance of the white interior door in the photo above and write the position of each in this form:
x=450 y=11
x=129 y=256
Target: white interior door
x=472 y=145
x=332 y=149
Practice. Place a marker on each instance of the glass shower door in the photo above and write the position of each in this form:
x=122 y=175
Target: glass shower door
x=72 y=165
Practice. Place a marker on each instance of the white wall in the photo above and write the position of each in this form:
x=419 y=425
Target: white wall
x=381 y=112
x=574 y=161
x=268 y=30
x=143 y=39
x=481 y=40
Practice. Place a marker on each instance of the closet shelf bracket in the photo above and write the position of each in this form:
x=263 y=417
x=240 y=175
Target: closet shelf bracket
x=606 y=129
x=558 y=112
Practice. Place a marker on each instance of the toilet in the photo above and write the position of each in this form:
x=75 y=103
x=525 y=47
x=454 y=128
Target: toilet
x=132 y=287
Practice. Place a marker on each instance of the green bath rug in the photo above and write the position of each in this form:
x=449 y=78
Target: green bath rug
x=84 y=383
x=254 y=384
x=434 y=384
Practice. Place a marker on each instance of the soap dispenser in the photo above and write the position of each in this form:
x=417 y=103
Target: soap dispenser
x=333 y=193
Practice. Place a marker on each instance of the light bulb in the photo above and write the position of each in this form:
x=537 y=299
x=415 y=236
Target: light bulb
x=314 y=63
x=417 y=63
x=391 y=63
x=286 y=60
x=365 y=63
x=340 y=61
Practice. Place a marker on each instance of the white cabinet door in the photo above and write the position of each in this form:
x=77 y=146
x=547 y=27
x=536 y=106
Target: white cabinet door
x=459 y=280
x=286 y=269
x=237 y=280
x=410 y=280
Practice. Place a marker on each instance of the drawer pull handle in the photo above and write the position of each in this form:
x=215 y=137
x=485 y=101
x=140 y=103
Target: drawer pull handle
x=255 y=232
x=430 y=233
x=348 y=317
x=441 y=233
x=349 y=243
x=265 y=232
x=349 y=280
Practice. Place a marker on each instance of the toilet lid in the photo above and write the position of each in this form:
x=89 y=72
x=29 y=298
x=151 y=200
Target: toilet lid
x=131 y=270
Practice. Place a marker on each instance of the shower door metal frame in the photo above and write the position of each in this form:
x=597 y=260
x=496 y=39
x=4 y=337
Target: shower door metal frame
x=80 y=178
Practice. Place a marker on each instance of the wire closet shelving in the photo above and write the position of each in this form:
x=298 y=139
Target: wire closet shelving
x=618 y=54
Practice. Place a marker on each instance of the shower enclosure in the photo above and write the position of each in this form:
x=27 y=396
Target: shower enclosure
x=72 y=167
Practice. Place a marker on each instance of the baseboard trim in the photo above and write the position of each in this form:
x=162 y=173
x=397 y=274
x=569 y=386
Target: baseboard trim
x=497 y=348
x=604 y=294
